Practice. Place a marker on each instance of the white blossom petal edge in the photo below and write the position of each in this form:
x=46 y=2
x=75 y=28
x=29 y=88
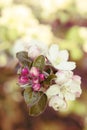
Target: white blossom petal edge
x=59 y=59
x=57 y=103
x=71 y=89
x=33 y=47
x=52 y=91
x=63 y=76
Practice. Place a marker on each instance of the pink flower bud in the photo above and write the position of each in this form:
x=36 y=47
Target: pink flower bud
x=36 y=87
x=35 y=80
x=23 y=80
x=41 y=77
x=25 y=71
x=34 y=72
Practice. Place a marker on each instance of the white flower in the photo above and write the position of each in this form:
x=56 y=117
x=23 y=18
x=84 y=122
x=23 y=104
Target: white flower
x=63 y=76
x=52 y=91
x=71 y=89
x=33 y=47
x=59 y=59
x=76 y=83
x=36 y=48
x=57 y=103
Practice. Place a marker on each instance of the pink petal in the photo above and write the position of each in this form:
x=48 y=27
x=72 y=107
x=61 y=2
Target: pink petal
x=34 y=72
x=25 y=71
x=41 y=77
x=23 y=80
x=35 y=80
x=36 y=87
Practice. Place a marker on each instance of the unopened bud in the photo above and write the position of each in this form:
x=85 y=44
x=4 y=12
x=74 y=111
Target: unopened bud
x=36 y=87
x=23 y=80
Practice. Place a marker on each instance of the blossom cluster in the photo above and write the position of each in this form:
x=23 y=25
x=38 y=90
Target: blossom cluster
x=47 y=76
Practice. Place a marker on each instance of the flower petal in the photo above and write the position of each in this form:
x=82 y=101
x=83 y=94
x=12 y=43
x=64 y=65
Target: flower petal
x=52 y=90
x=57 y=103
x=53 y=52
x=66 y=66
x=71 y=89
x=75 y=87
x=70 y=96
x=64 y=55
x=63 y=76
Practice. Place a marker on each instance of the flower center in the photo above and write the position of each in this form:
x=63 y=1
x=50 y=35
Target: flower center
x=64 y=89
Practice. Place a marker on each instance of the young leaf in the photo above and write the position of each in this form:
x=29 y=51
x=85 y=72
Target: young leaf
x=31 y=97
x=39 y=107
x=23 y=58
x=39 y=62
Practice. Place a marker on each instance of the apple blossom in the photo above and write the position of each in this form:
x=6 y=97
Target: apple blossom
x=59 y=59
x=33 y=47
x=68 y=90
x=71 y=89
x=57 y=103
x=52 y=91
x=63 y=76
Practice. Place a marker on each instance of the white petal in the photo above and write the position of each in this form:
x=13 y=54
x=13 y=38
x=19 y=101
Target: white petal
x=36 y=48
x=72 y=90
x=53 y=52
x=34 y=51
x=63 y=76
x=66 y=66
x=75 y=87
x=69 y=96
x=64 y=55
x=54 y=47
x=57 y=103
x=53 y=90
x=29 y=43
x=77 y=79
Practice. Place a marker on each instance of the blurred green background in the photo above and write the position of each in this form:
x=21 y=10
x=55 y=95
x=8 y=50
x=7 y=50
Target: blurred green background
x=51 y=21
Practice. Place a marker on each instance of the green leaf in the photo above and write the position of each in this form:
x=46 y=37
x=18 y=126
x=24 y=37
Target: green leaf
x=39 y=62
x=39 y=107
x=31 y=97
x=23 y=58
x=36 y=101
